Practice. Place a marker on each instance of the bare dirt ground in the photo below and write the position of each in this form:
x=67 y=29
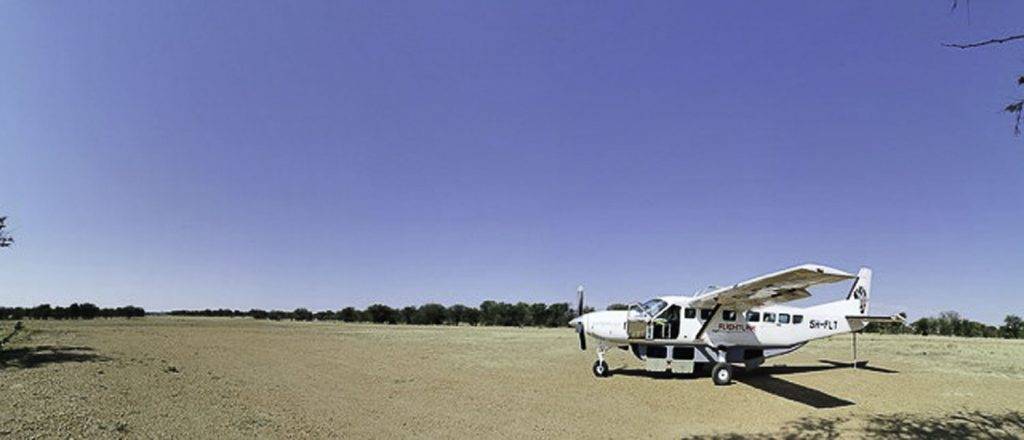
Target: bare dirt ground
x=240 y=378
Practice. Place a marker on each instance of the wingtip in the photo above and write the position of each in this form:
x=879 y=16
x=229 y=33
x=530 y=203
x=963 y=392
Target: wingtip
x=821 y=268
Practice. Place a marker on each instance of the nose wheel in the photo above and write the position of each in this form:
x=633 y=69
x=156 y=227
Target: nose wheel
x=600 y=366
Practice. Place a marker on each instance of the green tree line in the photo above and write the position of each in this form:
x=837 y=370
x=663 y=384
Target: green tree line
x=492 y=313
x=74 y=311
x=950 y=323
x=489 y=312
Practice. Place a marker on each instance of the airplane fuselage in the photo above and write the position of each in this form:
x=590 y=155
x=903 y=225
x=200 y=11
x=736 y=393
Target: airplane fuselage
x=768 y=326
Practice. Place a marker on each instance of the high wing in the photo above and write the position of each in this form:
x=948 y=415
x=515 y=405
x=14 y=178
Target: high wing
x=782 y=286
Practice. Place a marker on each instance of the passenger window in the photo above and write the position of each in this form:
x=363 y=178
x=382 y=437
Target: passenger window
x=690 y=313
x=783 y=318
x=769 y=317
x=798 y=319
x=753 y=317
x=705 y=314
x=729 y=315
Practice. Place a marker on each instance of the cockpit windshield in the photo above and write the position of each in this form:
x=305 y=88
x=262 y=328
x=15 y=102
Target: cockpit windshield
x=653 y=307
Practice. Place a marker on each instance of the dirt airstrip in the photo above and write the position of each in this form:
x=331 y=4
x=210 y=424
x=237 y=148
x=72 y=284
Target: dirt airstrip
x=162 y=377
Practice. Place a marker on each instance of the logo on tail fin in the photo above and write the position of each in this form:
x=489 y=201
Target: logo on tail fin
x=861 y=294
x=861 y=289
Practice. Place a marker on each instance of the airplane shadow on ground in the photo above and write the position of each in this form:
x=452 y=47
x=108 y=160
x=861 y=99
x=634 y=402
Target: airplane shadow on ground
x=766 y=379
x=862 y=365
x=37 y=356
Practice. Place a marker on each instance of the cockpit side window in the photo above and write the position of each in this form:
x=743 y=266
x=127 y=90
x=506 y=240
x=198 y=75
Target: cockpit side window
x=689 y=313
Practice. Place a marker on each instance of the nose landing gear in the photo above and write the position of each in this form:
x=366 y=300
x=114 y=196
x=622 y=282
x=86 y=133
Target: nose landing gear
x=600 y=366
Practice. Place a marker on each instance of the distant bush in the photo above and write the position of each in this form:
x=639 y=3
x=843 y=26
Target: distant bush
x=301 y=314
x=349 y=314
x=457 y=314
x=325 y=315
x=431 y=314
x=1013 y=327
x=381 y=314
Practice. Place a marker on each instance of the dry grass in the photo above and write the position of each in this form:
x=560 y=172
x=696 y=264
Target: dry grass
x=240 y=378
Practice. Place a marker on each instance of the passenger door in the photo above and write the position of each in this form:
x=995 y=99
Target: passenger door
x=638 y=325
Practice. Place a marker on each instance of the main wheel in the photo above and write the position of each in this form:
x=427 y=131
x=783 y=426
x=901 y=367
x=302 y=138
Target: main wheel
x=601 y=369
x=722 y=374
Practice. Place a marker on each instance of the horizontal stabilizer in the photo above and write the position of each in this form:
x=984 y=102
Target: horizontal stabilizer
x=899 y=317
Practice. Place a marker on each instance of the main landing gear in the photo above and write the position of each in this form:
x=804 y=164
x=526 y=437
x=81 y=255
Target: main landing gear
x=722 y=373
x=600 y=366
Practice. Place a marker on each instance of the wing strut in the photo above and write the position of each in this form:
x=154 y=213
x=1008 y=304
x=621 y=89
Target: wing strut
x=854 y=350
x=708 y=321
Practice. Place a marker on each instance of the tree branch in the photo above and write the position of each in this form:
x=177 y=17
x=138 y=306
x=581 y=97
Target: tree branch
x=5 y=240
x=1017 y=110
x=984 y=43
x=17 y=327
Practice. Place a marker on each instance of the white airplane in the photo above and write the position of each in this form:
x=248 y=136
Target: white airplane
x=741 y=324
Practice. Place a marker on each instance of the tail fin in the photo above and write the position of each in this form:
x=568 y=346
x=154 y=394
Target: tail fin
x=861 y=290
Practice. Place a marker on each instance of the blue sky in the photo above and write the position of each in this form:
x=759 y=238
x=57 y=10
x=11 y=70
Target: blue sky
x=195 y=154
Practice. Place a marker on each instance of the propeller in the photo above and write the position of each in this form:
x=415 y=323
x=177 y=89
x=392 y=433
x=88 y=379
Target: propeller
x=579 y=300
x=579 y=323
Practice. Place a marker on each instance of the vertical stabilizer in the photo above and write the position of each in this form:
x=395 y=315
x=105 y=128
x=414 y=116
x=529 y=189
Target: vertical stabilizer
x=861 y=290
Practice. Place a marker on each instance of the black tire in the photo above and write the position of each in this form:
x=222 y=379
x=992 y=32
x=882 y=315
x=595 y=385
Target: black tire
x=722 y=374
x=601 y=369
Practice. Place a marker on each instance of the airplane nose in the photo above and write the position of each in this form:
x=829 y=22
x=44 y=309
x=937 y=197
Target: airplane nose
x=580 y=320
